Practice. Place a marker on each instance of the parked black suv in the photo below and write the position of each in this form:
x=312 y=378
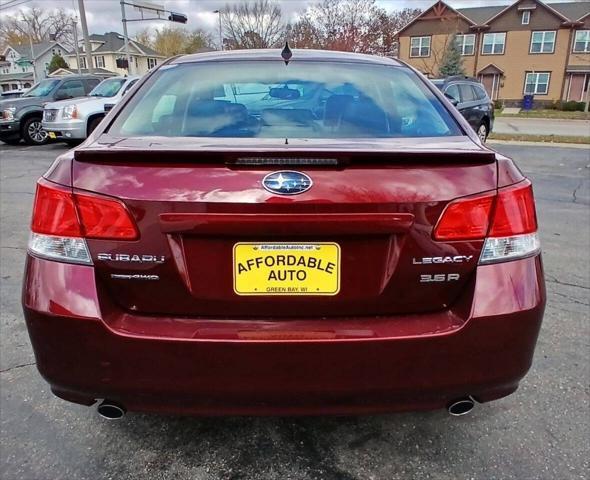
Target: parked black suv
x=471 y=99
x=21 y=117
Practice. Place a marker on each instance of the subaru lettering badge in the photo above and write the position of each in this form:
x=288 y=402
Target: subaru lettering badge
x=287 y=182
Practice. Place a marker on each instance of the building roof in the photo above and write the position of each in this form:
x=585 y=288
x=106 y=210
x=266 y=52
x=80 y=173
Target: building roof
x=99 y=72
x=114 y=42
x=578 y=69
x=16 y=76
x=571 y=10
x=24 y=49
x=479 y=15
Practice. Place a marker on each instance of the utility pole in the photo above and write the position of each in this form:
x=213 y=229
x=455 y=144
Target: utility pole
x=125 y=36
x=87 y=47
x=218 y=12
x=76 y=46
x=33 y=59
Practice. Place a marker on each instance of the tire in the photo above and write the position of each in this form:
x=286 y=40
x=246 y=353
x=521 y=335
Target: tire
x=11 y=141
x=73 y=143
x=32 y=132
x=482 y=131
x=93 y=124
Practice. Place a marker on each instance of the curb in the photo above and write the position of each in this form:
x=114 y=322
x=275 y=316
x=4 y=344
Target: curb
x=539 y=144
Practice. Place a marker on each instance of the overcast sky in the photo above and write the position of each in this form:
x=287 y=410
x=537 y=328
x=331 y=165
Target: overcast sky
x=105 y=15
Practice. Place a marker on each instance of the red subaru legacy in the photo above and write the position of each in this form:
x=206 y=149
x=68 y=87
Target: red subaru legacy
x=267 y=232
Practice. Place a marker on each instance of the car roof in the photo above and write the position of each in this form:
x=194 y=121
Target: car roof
x=455 y=78
x=72 y=77
x=275 y=54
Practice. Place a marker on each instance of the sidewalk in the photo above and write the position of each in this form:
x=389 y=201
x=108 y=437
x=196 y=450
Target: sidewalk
x=542 y=126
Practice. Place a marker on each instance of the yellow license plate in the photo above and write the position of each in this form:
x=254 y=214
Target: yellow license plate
x=51 y=135
x=286 y=268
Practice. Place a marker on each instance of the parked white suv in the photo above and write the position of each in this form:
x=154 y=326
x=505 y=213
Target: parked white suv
x=73 y=120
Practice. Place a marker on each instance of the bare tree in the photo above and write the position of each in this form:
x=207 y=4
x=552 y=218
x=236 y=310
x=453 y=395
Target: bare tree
x=172 y=40
x=350 y=25
x=40 y=24
x=257 y=24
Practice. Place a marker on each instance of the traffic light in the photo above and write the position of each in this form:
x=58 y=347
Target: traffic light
x=177 y=17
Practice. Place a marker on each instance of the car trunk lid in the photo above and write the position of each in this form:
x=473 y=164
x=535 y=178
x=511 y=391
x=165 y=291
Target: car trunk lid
x=194 y=200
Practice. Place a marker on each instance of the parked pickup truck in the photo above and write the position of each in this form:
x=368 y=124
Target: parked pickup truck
x=20 y=118
x=73 y=120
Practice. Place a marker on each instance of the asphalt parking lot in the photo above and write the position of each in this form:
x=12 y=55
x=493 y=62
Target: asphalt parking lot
x=540 y=432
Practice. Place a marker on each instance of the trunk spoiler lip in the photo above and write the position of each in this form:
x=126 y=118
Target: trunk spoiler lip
x=205 y=150
x=432 y=144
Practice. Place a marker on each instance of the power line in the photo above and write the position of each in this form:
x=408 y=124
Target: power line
x=13 y=3
x=8 y=3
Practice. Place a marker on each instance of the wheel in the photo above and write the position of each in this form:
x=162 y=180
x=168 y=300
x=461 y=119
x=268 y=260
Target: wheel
x=482 y=132
x=93 y=124
x=11 y=141
x=33 y=133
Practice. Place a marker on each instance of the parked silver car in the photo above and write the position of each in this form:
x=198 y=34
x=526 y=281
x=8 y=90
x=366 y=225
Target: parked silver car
x=73 y=120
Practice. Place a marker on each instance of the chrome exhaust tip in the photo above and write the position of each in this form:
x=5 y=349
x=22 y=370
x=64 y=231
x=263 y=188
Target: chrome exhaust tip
x=461 y=407
x=111 y=410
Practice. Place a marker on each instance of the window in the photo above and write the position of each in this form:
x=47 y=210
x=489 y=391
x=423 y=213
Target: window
x=71 y=89
x=152 y=62
x=91 y=83
x=493 y=43
x=582 y=41
x=420 y=47
x=108 y=88
x=82 y=62
x=453 y=91
x=526 y=17
x=467 y=93
x=466 y=44
x=537 y=83
x=480 y=93
x=247 y=100
x=543 y=42
x=99 y=61
x=129 y=85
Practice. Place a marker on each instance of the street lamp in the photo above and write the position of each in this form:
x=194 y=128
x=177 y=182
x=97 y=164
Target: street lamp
x=218 y=12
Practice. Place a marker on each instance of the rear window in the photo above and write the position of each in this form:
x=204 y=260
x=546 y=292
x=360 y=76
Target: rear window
x=274 y=100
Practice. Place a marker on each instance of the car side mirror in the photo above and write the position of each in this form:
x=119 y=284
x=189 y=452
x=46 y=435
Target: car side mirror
x=452 y=99
x=108 y=107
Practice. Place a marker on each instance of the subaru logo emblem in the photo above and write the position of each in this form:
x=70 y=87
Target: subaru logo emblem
x=287 y=182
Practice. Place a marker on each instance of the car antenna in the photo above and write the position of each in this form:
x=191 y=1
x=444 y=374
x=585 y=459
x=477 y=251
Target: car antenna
x=286 y=53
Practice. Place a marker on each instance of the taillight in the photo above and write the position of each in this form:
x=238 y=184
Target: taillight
x=104 y=218
x=515 y=211
x=506 y=220
x=62 y=220
x=465 y=219
x=513 y=230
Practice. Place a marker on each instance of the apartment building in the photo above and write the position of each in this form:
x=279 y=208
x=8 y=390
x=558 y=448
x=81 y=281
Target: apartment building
x=527 y=47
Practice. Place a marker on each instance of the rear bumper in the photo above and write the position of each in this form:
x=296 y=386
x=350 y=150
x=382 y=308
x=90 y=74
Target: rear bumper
x=66 y=130
x=88 y=349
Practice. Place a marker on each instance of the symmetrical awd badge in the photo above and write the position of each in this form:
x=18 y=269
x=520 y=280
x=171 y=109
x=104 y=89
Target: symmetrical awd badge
x=287 y=182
